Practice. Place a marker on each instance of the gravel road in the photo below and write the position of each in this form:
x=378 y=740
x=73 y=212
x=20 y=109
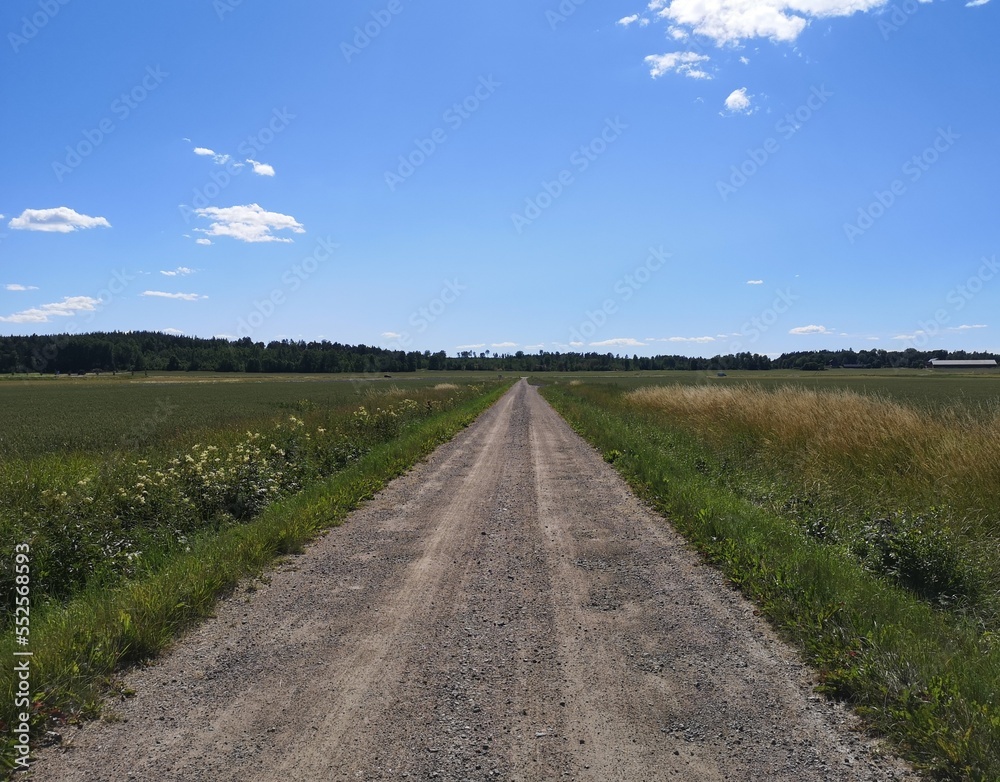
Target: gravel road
x=507 y=610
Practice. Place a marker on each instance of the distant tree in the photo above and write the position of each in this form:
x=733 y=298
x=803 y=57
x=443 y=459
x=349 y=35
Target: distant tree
x=228 y=364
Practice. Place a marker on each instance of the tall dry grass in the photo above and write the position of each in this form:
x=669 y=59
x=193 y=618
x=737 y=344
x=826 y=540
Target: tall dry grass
x=850 y=442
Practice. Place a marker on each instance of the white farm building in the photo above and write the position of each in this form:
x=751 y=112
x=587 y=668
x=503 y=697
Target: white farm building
x=937 y=363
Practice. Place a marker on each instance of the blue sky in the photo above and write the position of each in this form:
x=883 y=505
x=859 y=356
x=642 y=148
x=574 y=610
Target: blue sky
x=694 y=177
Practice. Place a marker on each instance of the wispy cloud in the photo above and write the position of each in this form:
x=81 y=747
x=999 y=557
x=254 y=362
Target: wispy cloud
x=249 y=223
x=619 y=342
x=172 y=332
x=625 y=21
x=180 y=271
x=390 y=335
x=477 y=346
x=755 y=282
x=810 y=330
x=685 y=63
x=178 y=296
x=68 y=307
x=504 y=345
x=217 y=158
x=60 y=219
x=13 y=286
x=222 y=159
x=695 y=340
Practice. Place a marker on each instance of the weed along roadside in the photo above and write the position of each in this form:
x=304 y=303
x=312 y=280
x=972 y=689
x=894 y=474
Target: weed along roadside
x=890 y=597
x=245 y=501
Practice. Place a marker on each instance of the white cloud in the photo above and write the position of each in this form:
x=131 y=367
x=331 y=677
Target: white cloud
x=249 y=223
x=504 y=345
x=390 y=335
x=618 y=342
x=203 y=241
x=61 y=220
x=744 y=60
x=471 y=347
x=261 y=168
x=179 y=296
x=739 y=102
x=539 y=346
x=976 y=3
x=217 y=158
x=683 y=339
x=180 y=271
x=172 y=332
x=66 y=308
x=755 y=282
x=731 y=21
x=966 y=327
x=686 y=63
x=908 y=337
x=13 y=286
x=810 y=330
x=625 y=21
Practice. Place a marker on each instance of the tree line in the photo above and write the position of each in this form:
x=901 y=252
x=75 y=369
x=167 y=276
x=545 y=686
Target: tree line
x=137 y=351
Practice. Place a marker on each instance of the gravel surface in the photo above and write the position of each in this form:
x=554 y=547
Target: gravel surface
x=508 y=610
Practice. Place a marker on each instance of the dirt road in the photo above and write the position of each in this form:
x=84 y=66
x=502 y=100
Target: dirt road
x=506 y=611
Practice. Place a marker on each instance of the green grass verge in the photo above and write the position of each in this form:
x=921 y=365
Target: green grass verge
x=926 y=680
x=78 y=648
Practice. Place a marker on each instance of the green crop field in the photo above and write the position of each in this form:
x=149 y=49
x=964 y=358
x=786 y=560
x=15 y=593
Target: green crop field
x=860 y=510
x=107 y=413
